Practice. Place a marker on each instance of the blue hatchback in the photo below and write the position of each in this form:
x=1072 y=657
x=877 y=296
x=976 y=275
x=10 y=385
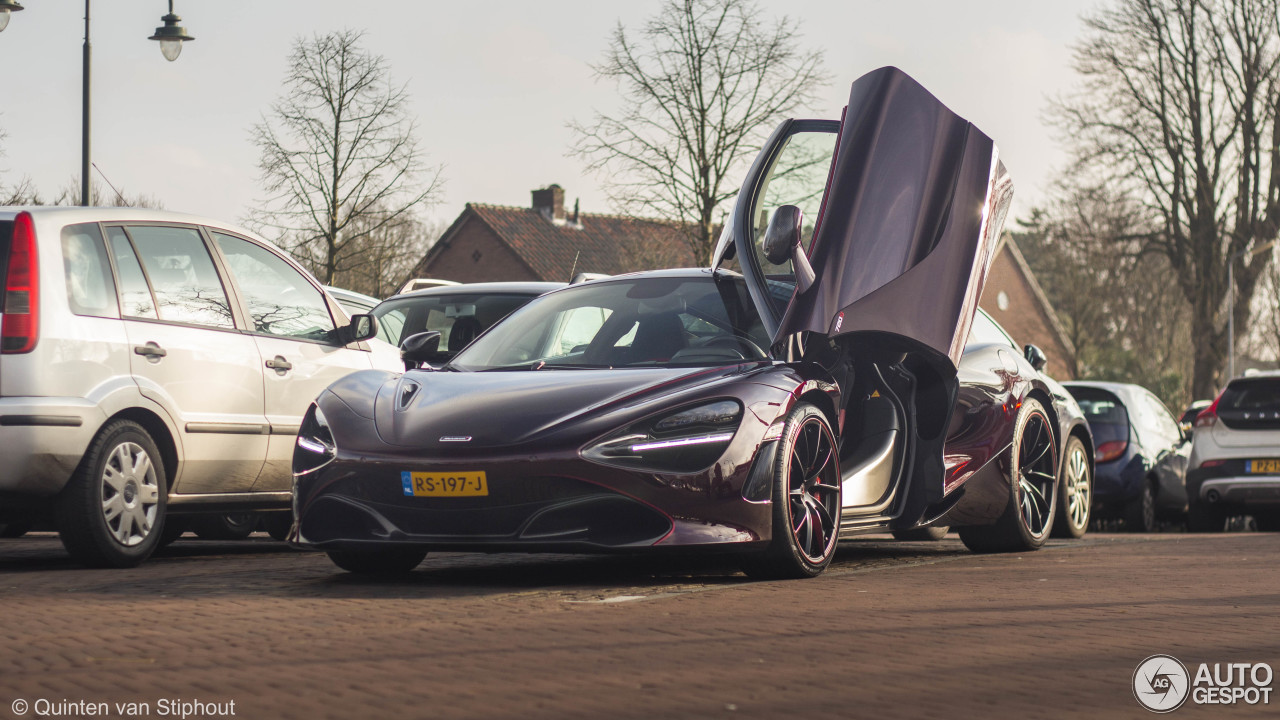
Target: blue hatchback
x=1141 y=454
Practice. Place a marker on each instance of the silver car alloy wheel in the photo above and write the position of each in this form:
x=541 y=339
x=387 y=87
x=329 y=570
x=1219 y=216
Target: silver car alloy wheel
x=1078 y=490
x=130 y=494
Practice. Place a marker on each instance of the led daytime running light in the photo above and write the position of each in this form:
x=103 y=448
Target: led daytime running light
x=680 y=442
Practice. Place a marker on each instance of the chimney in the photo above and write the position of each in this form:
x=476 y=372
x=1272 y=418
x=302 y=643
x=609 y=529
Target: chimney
x=550 y=202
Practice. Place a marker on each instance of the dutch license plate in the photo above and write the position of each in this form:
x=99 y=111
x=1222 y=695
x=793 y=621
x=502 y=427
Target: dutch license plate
x=1271 y=467
x=449 y=484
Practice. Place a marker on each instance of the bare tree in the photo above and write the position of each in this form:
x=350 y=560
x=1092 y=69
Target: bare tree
x=1178 y=108
x=702 y=85
x=386 y=257
x=1121 y=308
x=339 y=157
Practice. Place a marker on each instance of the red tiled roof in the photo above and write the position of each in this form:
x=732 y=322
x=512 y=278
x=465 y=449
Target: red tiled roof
x=608 y=244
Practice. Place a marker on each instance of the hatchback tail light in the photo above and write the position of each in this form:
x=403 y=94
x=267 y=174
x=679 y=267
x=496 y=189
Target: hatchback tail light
x=20 y=327
x=1108 y=451
x=1209 y=416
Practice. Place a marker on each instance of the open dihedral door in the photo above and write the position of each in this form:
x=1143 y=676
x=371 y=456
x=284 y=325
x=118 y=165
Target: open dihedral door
x=904 y=229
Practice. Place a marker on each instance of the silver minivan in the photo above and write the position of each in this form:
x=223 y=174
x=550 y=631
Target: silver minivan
x=155 y=365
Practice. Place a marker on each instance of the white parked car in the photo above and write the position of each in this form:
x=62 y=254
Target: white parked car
x=153 y=365
x=1235 y=456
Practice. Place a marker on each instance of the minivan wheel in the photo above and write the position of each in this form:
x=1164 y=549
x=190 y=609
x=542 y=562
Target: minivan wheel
x=225 y=526
x=111 y=512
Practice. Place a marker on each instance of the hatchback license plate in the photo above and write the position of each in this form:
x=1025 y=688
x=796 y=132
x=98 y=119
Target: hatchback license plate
x=1270 y=467
x=451 y=484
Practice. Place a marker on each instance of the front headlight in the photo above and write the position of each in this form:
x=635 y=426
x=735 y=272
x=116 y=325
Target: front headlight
x=315 y=447
x=686 y=441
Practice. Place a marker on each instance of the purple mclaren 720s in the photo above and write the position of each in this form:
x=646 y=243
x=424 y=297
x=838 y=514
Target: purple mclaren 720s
x=822 y=378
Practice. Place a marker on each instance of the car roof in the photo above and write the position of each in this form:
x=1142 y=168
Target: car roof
x=351 y=294
x=119 y=214
x=485 y=288
x=1126 y=391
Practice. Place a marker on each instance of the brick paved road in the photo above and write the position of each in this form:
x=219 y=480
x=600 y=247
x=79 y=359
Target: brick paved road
x=893 y=630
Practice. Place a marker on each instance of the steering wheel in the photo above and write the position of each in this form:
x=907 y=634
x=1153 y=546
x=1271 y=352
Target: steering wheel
x=738 y=342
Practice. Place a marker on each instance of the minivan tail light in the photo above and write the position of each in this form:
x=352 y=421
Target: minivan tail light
x=1209 y=416
x=20 y=327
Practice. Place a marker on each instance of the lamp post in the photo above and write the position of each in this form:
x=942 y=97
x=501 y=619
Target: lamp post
x=171 y=37
x=1231 y=307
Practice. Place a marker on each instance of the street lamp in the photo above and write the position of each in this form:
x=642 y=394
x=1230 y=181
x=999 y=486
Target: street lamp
x=171 y=35
x=6 y=7
x=1231 y=307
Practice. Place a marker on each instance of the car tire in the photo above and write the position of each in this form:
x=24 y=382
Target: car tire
x=1075 y=492
x=1140 y=512
x=15 y=529
x=924 y=534
x=1203 y=518
x=111 y=513
x=225 y=526
x=397 y=561
x=1033 y=489
x=277 y=524
x=806 y=479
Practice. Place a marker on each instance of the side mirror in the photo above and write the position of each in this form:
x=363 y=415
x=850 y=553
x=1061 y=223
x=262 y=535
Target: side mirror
x=1187 y=430
x=362 y=327
x=1035 y=356
x=417 y=349
x=782 y=242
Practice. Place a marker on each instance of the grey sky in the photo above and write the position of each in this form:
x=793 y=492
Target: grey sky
x=493 y=84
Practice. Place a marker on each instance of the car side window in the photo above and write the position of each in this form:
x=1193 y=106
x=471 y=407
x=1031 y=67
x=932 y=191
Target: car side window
x=281 y=301
x=1164 y=422
x=183 y=278
x=135 y=295
x=90 y=288
x=985 y=331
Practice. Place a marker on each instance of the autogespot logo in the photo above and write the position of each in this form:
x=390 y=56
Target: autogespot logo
x=1161 y=683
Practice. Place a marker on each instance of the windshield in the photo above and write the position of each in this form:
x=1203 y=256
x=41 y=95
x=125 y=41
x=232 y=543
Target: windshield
x=459 y=318
x=642 y=322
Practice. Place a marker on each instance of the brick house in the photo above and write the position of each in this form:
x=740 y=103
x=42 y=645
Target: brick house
x=544 y=242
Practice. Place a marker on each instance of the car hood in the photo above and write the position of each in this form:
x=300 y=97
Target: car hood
x=466 y=411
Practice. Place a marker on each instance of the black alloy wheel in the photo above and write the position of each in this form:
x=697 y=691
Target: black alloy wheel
x=1033 y=488
x=277 y=524
x=806 y=500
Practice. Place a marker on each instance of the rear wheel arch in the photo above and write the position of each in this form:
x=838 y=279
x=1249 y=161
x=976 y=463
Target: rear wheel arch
x=160 y=434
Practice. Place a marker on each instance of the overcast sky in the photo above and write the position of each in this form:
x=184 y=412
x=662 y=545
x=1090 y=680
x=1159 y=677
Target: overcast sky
x=493 y=83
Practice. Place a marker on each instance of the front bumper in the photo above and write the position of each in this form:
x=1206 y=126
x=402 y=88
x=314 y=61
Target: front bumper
x=557 y=505
x=42 y=441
